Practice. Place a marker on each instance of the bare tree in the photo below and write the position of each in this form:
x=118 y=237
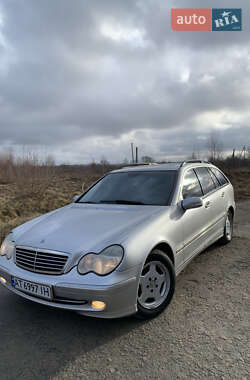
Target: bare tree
x=147 y=159
x=214 y=146
x=104 y=161
x=194 y=156
x=125 y=161
x=248 y=152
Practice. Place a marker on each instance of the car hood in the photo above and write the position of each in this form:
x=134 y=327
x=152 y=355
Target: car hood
x=84 y=227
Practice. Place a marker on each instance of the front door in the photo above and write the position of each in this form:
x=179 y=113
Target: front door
x=195 y=222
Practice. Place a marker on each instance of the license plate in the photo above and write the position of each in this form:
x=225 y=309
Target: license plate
x=33 y=288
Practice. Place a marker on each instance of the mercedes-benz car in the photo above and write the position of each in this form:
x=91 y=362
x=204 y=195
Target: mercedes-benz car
x=117 y=249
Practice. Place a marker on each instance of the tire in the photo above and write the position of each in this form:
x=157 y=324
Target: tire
x=228 y=229
x=156 y=286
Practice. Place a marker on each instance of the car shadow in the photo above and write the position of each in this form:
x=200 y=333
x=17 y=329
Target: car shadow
x=212 y=248
x=37 y=341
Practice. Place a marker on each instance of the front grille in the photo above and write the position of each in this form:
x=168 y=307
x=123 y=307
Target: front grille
x=40 y=261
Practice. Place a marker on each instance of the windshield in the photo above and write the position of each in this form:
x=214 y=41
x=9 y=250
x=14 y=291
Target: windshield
x=141 y=188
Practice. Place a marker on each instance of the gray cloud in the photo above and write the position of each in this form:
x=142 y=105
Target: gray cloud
x=87 y=73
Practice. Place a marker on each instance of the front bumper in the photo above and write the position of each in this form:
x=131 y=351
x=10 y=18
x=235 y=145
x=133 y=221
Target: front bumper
x=74 y=292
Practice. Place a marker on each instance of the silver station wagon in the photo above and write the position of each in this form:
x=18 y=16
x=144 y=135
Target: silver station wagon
x=117 y=249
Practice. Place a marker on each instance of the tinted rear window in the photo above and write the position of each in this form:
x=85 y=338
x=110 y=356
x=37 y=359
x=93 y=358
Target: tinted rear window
x=205 y=179
x=221 y=178
x=215 y=179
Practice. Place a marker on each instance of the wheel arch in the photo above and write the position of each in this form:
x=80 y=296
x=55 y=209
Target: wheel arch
x=165 y=248
x=231 y=209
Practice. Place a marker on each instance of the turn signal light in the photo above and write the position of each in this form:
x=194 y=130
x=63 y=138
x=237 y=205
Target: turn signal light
x=3 y=281
x=99 y=305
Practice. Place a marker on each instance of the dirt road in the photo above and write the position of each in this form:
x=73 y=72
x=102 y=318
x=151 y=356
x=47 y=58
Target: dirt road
x=204 y=334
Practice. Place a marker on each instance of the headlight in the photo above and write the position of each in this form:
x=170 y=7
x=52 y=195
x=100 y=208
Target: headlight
x=7 y=247
x=101 y=263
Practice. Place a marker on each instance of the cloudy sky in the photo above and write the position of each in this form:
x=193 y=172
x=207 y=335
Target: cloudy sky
x=83 y=79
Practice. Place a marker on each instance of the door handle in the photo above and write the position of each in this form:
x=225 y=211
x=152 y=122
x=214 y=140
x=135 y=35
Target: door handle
x=207 y=204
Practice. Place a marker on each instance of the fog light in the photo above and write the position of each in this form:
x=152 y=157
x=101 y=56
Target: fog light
x=99 y=305
x=3 y=281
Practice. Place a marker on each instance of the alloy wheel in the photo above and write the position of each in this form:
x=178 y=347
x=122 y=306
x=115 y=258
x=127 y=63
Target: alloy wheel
x=154 y=285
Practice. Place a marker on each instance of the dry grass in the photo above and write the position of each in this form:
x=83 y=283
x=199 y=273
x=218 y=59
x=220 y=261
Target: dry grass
x=240 y=178
x=29 y=188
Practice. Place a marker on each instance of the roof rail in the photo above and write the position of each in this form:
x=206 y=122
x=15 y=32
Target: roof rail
x=140 y=164
x=181 y=163
x=194 y=162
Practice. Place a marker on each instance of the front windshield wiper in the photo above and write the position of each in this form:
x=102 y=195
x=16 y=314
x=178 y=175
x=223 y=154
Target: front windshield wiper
x=89 y=202
x=122 y=202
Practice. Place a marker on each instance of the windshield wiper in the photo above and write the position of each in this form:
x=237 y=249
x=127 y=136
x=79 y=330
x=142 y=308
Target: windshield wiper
x=122 y=202
x=89 y=202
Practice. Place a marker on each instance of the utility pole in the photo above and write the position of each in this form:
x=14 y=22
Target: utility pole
x=136 y=154
x=243 y=153
x=132 y=151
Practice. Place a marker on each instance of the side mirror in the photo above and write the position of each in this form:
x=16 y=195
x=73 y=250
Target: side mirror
x=190 y=203
x=75 y=197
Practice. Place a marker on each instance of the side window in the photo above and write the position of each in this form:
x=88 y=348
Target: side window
x=215 y=179
x=221 y=178
x=205 y=179
x=191 y=186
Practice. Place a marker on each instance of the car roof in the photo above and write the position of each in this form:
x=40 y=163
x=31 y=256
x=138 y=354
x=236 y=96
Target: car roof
x=163 y=166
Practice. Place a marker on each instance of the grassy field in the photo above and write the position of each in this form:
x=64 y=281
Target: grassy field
x=28 y=196
x=29 y=191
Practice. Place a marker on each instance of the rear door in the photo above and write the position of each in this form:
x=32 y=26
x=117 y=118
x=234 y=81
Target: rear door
x=222 y=185
x=213 y=202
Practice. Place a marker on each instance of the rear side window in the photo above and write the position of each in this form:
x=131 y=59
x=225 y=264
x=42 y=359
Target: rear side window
x=221 y=178
x=205 y=179
x=191 y=186
x=215 y=179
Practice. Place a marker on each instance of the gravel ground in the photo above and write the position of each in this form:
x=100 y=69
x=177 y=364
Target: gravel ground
x=204 y=333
